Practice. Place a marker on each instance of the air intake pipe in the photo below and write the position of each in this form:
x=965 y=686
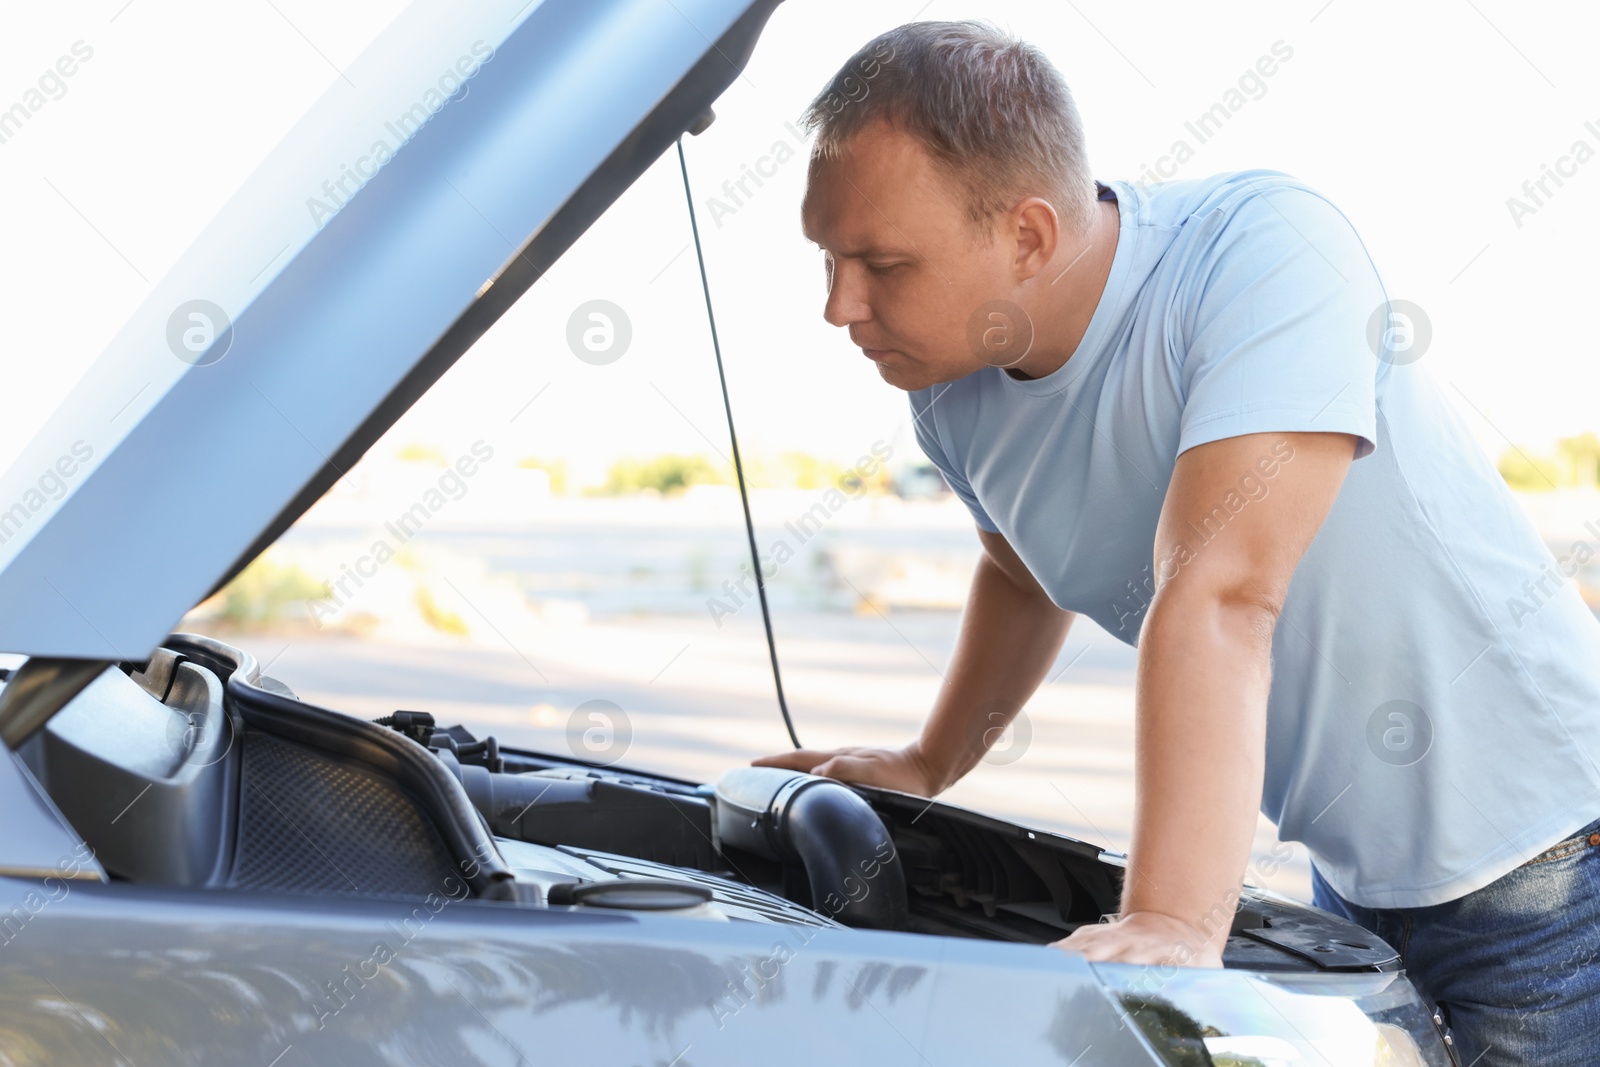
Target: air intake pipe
x=848 y=855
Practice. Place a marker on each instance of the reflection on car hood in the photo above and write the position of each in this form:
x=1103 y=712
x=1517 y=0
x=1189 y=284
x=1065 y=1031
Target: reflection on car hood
x=437 y=178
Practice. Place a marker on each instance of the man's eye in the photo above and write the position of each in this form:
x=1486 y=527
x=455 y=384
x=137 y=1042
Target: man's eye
x=884 y=268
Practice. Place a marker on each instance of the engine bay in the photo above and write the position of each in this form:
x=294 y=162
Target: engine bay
x=195 y=770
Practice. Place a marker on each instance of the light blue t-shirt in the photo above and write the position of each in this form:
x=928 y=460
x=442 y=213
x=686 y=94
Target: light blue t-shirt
x=1434 y=717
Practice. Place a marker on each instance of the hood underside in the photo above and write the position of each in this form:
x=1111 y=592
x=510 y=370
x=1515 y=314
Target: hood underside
x=454 y=162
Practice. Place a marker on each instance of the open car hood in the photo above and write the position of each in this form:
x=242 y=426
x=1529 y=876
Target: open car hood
x=439 y=177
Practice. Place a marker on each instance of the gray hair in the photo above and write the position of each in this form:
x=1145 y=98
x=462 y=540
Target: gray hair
x=993 y=112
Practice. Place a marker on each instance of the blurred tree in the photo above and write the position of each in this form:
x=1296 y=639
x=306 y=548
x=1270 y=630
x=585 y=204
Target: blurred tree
x=670 y=474
x=266 y=592
x=417 y=452
x=1582 y=454
x=666 y=474
x=441 y=619
x=555 y=468
x=1529 y=473
x=802 y=471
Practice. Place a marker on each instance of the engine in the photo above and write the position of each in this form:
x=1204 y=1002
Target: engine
x=216 y=777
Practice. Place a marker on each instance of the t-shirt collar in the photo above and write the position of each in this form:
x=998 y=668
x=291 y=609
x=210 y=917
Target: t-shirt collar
x=1105 y=311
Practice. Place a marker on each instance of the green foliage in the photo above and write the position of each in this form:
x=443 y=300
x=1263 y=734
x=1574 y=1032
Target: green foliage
x=416 y=452
x=1575 y=464
x=441 y=619
x=1528 y=473
x=1175 y=1033
x=263 y=590
x=800 y=470
x=555 y=468
x=665 y=474
x=671 y=473
x=797 y=470
x=1582 y=456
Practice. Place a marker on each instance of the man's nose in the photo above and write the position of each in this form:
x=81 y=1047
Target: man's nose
x=845 y=305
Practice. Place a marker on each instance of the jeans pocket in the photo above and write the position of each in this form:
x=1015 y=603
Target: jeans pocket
x=1588 y=837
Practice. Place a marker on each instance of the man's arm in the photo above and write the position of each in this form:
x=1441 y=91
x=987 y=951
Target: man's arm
x=1203 y=677
x=1010 y=634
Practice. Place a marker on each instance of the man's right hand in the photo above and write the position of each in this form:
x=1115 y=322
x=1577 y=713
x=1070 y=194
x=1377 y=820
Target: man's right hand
x=903 y=769
x=1010 y=633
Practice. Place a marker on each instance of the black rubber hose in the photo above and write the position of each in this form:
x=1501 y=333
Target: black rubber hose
x=850 y=860
x=848 y=855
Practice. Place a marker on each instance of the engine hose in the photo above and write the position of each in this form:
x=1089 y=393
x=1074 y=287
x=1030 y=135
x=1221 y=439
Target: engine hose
x=849 y=858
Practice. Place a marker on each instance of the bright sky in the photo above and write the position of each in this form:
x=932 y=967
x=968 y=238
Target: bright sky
x=1420 y=120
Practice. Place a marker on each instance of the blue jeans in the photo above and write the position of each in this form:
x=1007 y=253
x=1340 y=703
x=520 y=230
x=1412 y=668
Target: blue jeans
x=1514 y=967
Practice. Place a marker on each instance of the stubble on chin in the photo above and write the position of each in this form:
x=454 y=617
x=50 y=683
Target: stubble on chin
x=916 y=377
x=897 y=378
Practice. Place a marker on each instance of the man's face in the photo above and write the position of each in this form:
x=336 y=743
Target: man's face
x=906 y=267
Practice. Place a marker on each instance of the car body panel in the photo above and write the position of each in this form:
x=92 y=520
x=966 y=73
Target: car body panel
x=179 y=977
x=39 y=843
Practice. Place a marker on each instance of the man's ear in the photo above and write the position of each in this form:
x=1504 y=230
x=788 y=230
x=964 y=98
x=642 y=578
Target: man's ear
x=1037 y=229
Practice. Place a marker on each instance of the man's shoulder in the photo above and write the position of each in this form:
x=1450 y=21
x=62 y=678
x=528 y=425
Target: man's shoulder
x=1241 y=220
x=1215 y=198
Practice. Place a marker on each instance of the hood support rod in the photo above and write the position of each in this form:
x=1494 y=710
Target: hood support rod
x=738 y=466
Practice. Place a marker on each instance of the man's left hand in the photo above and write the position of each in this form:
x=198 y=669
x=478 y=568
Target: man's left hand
x=1147 y=937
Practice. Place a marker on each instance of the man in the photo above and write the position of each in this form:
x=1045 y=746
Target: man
x=1187 y=411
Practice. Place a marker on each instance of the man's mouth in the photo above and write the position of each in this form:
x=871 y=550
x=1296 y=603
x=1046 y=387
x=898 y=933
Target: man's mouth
x=877 y=355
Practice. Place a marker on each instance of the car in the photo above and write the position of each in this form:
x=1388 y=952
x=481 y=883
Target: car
x=201 y=867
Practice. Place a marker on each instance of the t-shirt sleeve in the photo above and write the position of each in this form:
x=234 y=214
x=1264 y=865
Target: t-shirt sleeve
x=1277 y=340
x=928 y=441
